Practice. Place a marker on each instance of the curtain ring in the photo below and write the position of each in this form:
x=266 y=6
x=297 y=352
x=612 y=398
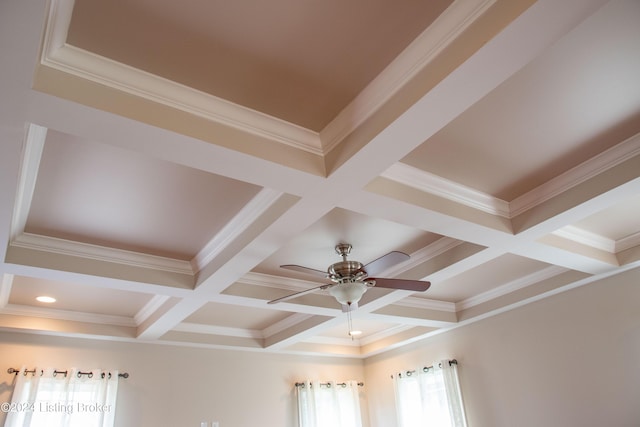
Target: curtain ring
x=409 y=373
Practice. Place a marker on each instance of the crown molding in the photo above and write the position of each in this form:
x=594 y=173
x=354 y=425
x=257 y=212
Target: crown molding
x=432 y=184
x=59 y=55
x=5 y=289
x=450 y=190
x=332 y=341
x=433 y=40
x=577 y=175
x=31 y=155
x=587 y=238
x=628 y=242
x=385 y=333
x=427 y=304
x=198 y=328
x=238 y=224
x=521 y=283
x=149 y=308
x=285 y=324
x=100 y=253
x=278 y=282
x=68 y=315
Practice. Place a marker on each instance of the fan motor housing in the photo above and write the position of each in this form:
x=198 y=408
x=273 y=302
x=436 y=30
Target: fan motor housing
x=346 y=271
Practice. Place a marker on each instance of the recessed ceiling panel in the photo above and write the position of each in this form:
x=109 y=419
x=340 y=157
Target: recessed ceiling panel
x=230 y=316
x=370 y=238
x=299 y=61
x=104 y=195
x=501 y=271
x=617 y=222
x=76 y=297
x=577 y=99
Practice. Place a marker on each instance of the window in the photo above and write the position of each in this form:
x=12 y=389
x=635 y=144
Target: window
x=50 y=398
x=328 y=404
x=430 y=397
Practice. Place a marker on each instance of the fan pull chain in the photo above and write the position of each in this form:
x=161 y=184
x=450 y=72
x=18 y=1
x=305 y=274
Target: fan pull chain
x=350 y=321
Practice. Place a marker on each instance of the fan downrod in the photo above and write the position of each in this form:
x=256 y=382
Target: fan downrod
x=343 y=249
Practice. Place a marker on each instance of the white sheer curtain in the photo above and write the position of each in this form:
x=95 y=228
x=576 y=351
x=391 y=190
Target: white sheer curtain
x=46 y=398
x=430 y=397
x=328 y=404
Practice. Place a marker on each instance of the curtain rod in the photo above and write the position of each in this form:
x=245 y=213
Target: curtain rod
x=329 y=384
x=56 y=372
x=426 y=368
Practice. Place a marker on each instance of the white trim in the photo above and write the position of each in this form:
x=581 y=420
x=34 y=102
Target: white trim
x=100 y=253
x=285 y=324
x=577 y=175
x=149 y=308
x=319 y=339
x=450 y=190
x=439 y=247
x=584 y=237
x=515 y=285
x=446 y=28
x=5 y=289
x=198 y=328
x=238 y=224
x=78 y=62
x=628 y=242
x=277 y=282
x=427 y=304
x=31 y=156
x=386 y=333
x=73 y=316
x=433 y=184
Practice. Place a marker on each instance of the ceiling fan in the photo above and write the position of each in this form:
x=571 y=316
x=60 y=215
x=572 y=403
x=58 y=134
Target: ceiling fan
x=351 y=279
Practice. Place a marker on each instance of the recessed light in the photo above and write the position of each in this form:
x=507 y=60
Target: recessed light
x=46 y=299
x=354 y=333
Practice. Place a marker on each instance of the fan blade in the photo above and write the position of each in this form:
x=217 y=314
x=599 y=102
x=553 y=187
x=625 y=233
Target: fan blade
x=306 y=270
x=407 y=285
x=385 y=261
x=297 y=294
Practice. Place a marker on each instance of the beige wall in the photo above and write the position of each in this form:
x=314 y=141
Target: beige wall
x=570 y=360
x=180 y=386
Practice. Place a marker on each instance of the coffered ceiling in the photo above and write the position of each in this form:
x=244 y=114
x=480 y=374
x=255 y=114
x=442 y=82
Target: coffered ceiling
x=161 y=161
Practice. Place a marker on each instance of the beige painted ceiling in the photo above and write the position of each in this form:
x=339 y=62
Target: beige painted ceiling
x=160 y=161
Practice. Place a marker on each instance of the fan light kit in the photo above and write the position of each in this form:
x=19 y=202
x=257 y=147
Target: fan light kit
x=351 y=279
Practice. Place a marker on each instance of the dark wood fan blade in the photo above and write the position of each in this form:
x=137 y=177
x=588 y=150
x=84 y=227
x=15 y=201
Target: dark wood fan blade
x=305 y=270
x=385 y=261
x=297 y=294
x=407 y=285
